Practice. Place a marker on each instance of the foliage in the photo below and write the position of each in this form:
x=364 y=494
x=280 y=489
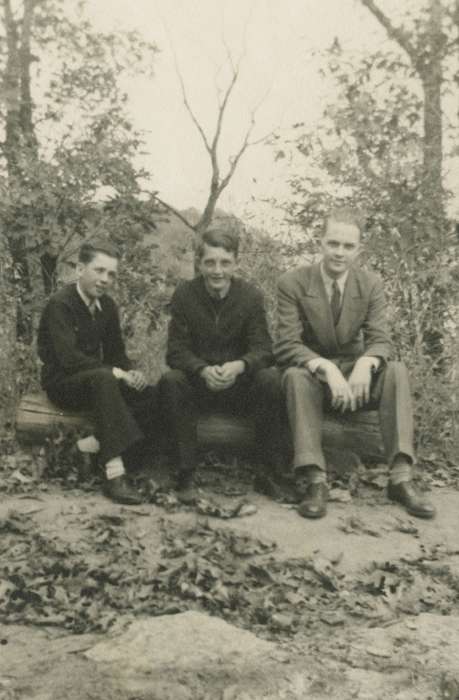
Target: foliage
x=75 y=147
x=368 y=153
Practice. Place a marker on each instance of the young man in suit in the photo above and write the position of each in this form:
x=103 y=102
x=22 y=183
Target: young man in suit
x=85 y=367
x=335 y=346
x=219 y=351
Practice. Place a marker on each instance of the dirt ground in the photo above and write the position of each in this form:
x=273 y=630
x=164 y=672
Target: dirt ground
x=361 y=604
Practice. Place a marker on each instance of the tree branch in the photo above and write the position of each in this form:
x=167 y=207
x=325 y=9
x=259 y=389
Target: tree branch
x=222 y=107
x=175 y=212
x=235 y=159
x=395 y=33
x=188 y=108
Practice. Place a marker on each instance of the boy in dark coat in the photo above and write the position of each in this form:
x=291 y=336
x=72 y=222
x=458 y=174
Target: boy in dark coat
x=85 y=366
x=219 y=352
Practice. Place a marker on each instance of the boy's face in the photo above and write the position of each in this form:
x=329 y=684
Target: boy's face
x=217 y=266
x=340 y=246
x=98 y=276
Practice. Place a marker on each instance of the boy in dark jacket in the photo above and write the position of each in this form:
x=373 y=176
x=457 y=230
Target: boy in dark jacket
x=219 y=352
x=85 y=366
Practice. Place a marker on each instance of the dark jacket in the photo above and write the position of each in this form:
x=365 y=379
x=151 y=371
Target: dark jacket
x=204 y=332
x=306 y=329
x=70 y=339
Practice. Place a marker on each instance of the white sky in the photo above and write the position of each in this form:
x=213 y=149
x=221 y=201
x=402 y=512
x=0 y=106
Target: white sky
x=279 y=38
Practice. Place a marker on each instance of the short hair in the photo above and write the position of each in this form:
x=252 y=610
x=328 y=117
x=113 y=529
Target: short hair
x=229 y=240
x=90 y=249
x=345 y=215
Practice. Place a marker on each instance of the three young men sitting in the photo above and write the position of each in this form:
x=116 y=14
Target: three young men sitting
x=333 y=348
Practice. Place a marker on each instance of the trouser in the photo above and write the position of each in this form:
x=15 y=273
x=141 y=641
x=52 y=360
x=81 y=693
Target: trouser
x=123 y=417
x=307 y=399
x=259 y=395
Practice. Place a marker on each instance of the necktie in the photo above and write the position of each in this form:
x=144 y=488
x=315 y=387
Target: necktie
x=335 y=302
x=93 y=310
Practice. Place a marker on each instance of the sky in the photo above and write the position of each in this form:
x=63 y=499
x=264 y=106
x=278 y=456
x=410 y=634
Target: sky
x=277 y=39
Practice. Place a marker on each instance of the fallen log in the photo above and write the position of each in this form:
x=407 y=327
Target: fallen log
x=37 y=417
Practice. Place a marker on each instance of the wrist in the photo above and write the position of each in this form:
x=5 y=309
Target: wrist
x=240 y=366
x=367 y=362
x=118 y=373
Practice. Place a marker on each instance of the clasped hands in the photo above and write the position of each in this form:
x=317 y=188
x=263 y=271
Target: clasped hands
x=351 y=393
x=220 y=377
x=133 y=378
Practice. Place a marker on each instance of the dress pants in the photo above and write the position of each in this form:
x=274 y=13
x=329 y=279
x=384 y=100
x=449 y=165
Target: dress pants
x=123 y=416
x=308 y=398
x=183 y=396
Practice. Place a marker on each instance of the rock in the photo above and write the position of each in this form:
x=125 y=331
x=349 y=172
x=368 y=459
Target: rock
x=187 y=641
x=429 y=642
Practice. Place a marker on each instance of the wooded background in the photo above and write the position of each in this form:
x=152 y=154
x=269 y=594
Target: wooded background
x=383 y=144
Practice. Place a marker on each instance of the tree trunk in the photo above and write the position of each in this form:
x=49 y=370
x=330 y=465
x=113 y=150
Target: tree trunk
x=20 y=145
x=431 y=73
x=7 y=336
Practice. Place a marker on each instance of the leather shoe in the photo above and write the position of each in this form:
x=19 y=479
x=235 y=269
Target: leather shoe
x=314 y=502
x=406 y=494
x=120 y=491
x=186 y=492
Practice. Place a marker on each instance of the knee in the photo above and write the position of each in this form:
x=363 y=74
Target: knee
x=102 y=377
x=298 y=381
x=268 y=381
x=172 y=381
x=395 y=369
x=292 y=377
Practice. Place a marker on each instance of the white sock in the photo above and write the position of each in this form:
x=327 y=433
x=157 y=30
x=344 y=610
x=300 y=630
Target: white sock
x=90 y=445
x=399 y=473
x=114 y=468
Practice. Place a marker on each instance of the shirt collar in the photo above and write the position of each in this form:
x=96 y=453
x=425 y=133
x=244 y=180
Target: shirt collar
x=328 y=281
x=218 y=296
x=90 y=303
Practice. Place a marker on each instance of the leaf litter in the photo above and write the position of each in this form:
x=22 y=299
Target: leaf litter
x=86 y=586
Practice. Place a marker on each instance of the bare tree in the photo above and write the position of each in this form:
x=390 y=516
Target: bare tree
x=219 y=180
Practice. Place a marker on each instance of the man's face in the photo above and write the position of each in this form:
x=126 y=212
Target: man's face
x=340 y=247
x=217 y=267
x=97 y=276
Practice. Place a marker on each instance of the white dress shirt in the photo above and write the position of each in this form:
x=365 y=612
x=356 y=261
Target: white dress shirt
x=314 y=364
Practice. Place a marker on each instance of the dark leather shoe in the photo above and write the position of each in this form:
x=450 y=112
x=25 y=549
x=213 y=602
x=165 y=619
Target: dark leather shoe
x=186 y=491
x=406 y=494
x=314 y=502
x=120 y=491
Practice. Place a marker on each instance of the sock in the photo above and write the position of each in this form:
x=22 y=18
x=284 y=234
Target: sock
x=89 y=445
x=400 y=472
x=311 y=474
x=114 y=468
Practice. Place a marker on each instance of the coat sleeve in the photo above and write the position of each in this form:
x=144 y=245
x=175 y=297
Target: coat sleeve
x=114 y=349
x=259 y=352
x=180 y=354
x=289 y=348
x=375 y=329
x=62 y=338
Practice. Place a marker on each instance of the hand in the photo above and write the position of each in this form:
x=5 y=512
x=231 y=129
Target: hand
x=342 y=397
x=135 y=380
x=360 y=381
x=214 y=379
x=231 y=370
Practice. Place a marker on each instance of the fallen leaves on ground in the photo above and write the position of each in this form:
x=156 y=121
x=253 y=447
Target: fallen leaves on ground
x=87 y=585
x=356 y=526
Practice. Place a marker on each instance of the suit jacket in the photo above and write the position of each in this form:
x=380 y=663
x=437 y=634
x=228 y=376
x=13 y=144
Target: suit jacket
x=305 y=323
x=70 y=339
x=204 y=332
